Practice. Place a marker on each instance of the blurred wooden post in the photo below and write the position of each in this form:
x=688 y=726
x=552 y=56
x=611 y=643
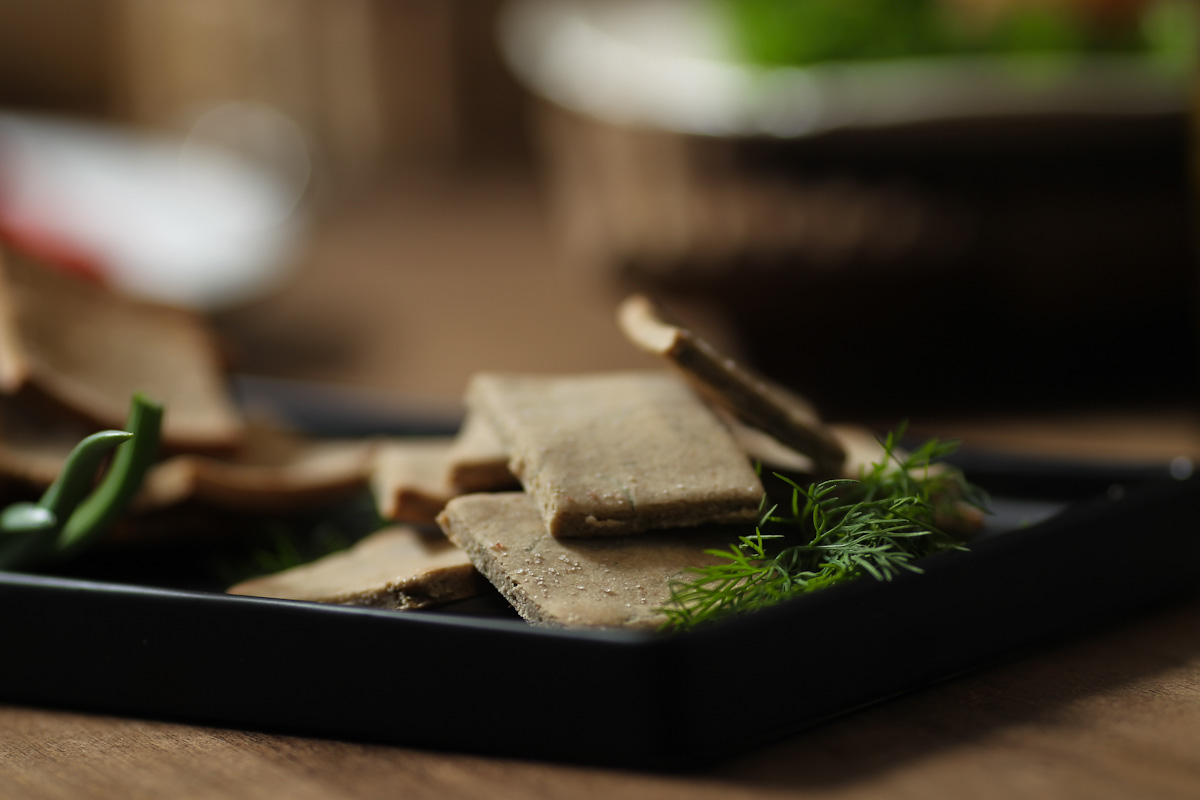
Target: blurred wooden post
x=177 y=58
x=54 y=56
x=368 y=83
x=374 y=84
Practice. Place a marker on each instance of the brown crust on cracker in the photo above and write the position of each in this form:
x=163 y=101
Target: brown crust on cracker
x=409 y=480
x=761 y=402
x=275 y=471
x=477 y=460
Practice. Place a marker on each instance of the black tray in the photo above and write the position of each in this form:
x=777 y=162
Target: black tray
x=1049 y=568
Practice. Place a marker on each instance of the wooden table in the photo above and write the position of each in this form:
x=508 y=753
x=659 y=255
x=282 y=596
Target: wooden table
x=441 y=279
x=1115 y=715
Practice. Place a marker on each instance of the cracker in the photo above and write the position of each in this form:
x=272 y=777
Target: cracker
x=398 y=568
x=274 y=471
x=608 y=454
x=412 y=479
x=862 y=448
x=618 y=582
x=785 y=415
x=409 y=479
x=762 y=448
x=89 y=349
x=477 y=461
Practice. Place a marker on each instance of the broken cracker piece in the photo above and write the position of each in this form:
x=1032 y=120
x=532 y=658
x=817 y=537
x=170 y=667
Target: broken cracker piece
x=762 y=448
x=275 y=470
x=409 y=479
x=599 y=582
x=397 y=568
x=477 y=460
x=862 y=448
x=785 y=415
x=90 y=349
x=413 y=478
x=609 y=454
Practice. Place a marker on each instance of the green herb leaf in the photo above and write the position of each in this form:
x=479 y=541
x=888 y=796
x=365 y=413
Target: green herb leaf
x=834 y=531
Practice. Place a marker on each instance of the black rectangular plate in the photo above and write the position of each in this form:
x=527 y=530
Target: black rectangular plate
x=488 y=683
x=496 y=685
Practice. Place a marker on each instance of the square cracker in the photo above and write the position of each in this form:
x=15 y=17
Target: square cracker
x=609 y=454
x=613 y=582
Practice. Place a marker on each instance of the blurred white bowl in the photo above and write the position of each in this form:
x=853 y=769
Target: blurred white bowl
x=665 y=64
x=174 y=219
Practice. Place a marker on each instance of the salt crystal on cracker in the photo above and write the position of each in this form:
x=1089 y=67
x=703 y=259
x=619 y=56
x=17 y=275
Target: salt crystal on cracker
x=619 y=582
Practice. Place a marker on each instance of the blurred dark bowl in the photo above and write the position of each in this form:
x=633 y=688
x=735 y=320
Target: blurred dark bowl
x=951 y=234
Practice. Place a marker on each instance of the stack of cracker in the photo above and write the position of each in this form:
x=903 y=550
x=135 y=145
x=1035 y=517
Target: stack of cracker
x=72 y=353
x=628 y=478
x=582 y=497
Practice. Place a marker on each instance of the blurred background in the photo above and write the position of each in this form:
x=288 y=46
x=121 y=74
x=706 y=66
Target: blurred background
x=938 y=207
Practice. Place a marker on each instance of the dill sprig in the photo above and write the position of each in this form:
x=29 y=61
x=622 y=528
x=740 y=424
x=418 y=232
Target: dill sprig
x=900 y=509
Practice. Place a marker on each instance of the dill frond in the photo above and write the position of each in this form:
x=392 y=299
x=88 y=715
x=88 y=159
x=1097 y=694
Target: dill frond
x=899 y=510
